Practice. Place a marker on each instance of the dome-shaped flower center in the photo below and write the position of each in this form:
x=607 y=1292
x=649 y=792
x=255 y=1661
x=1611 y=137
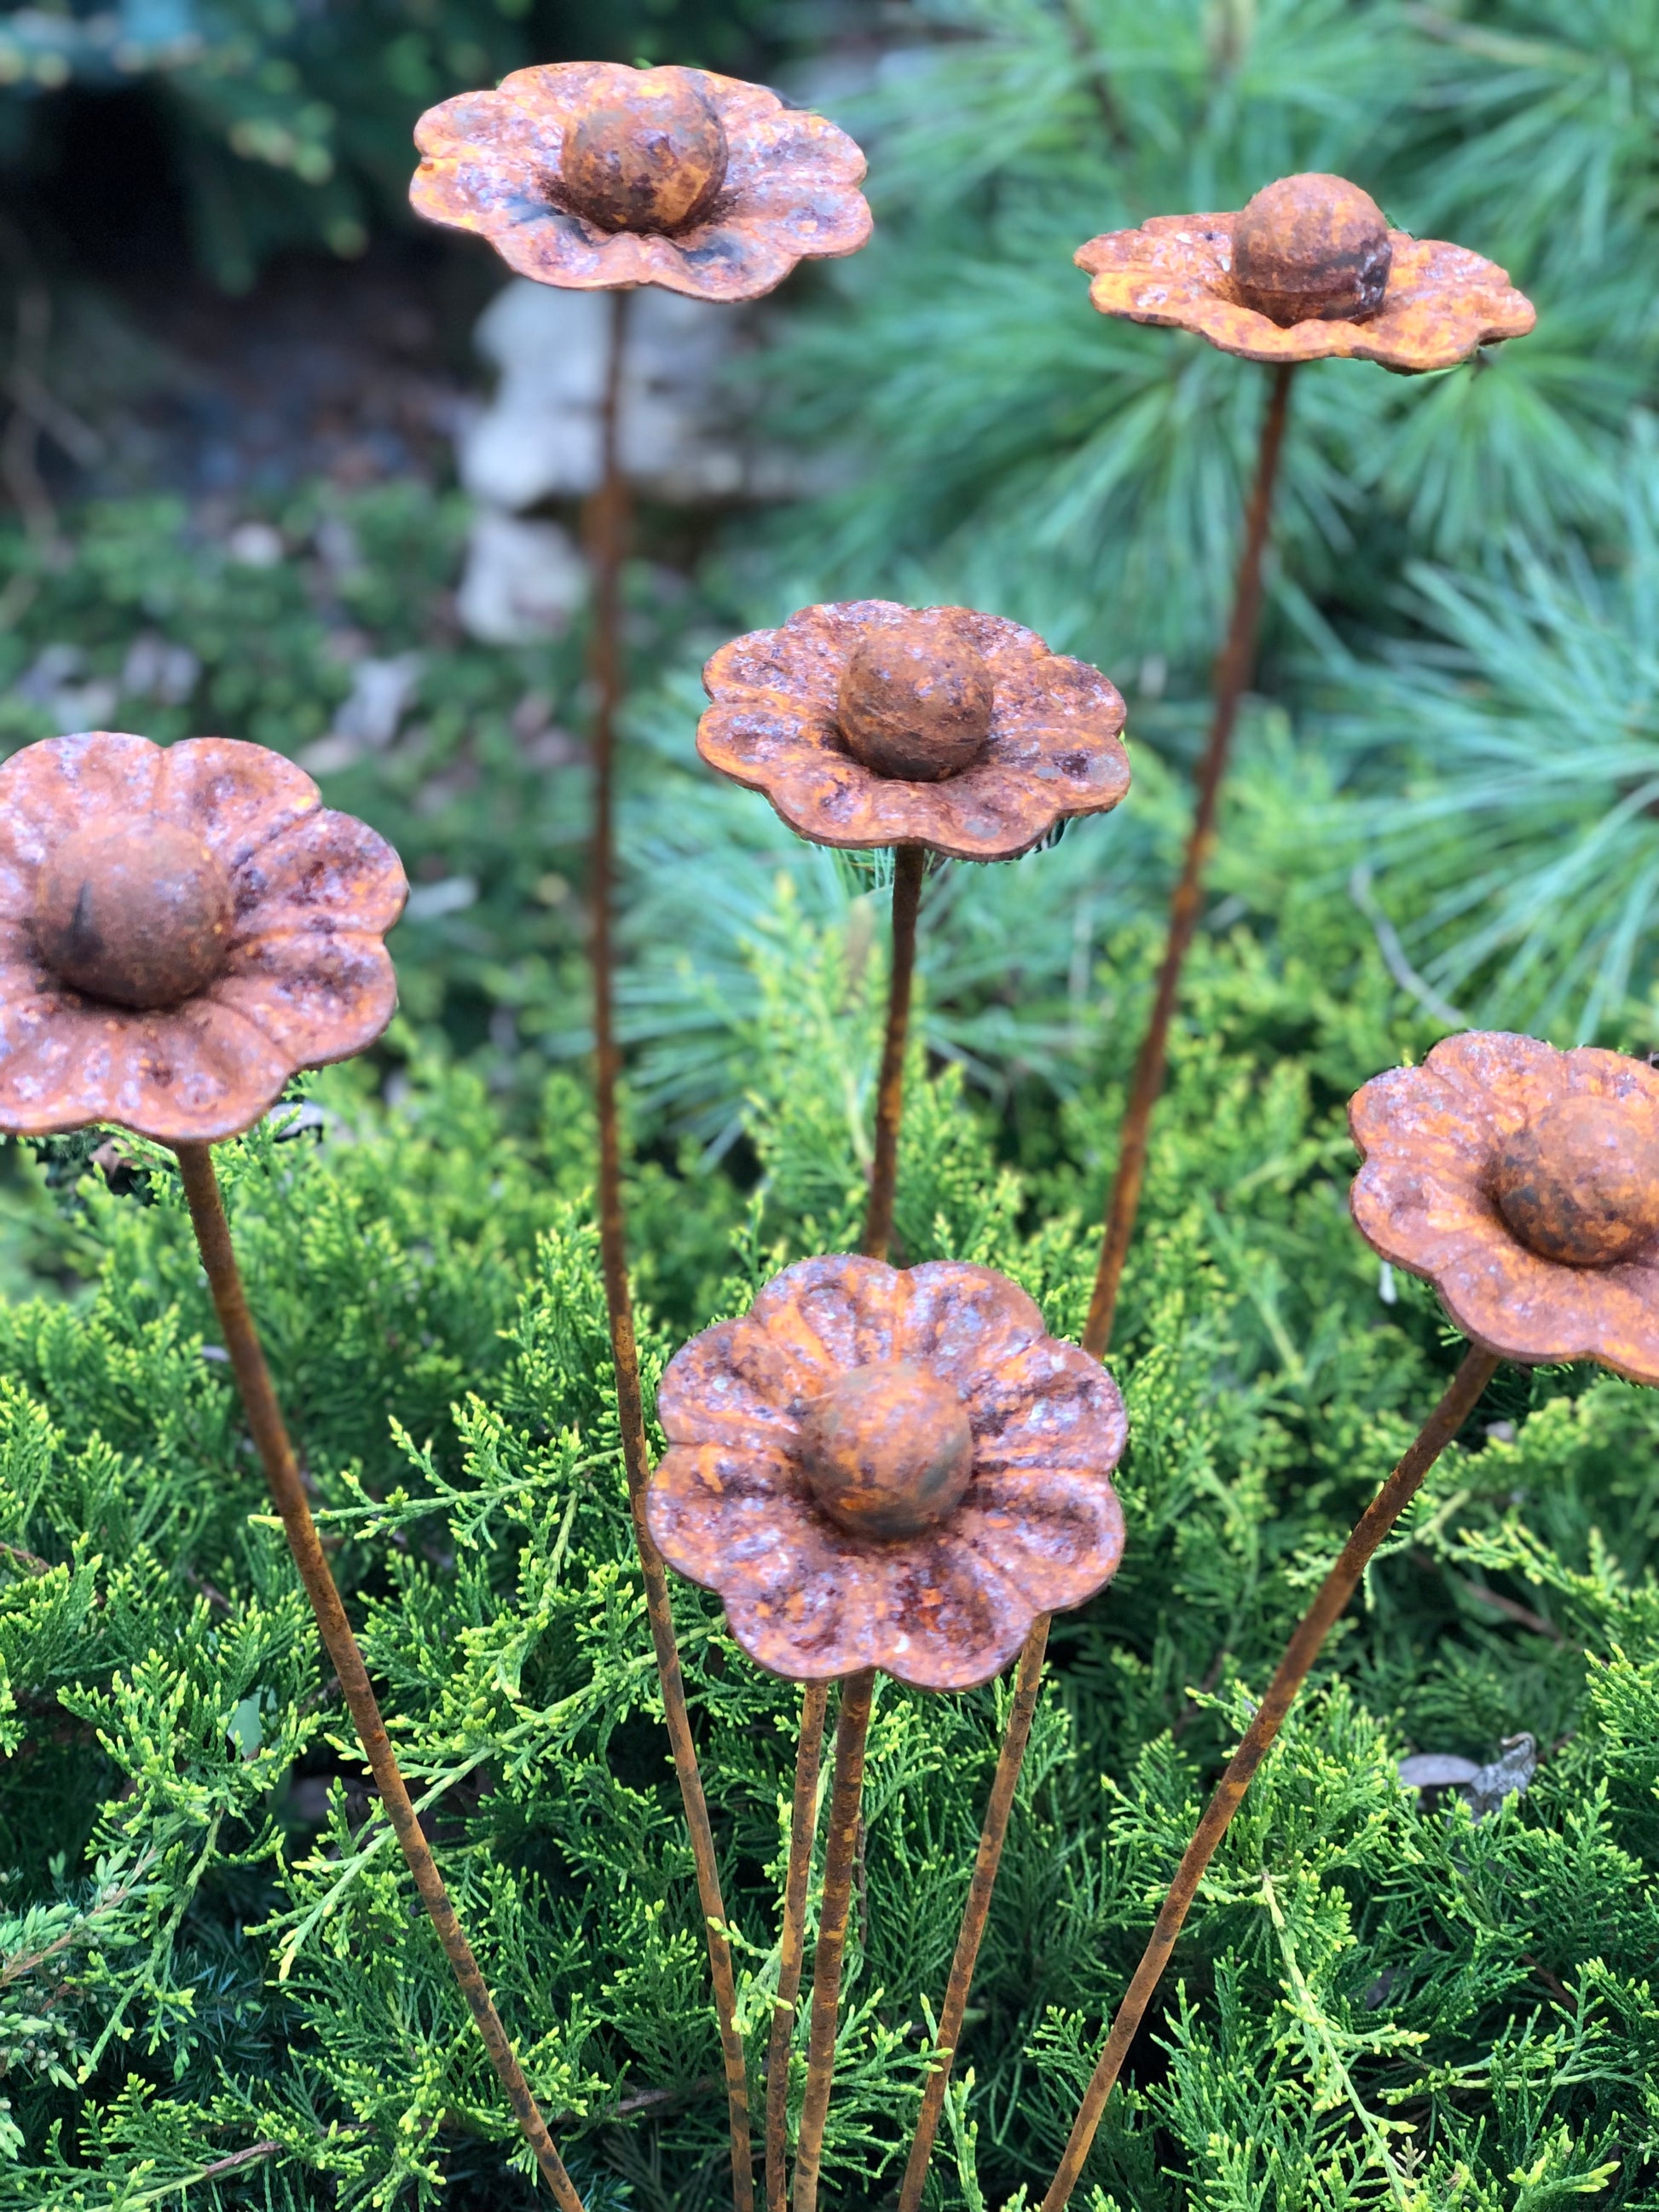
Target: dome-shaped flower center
x=654 y=160
x=1312 y=249
x=887 y=1450
x=914 y=701
x=136 y=912
x=1580 y=1183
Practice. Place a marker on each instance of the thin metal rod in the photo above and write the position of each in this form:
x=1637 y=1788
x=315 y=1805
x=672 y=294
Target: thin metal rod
x=1233 y=671
x=803 y=1828
x=608 y=533
x=265 y=1420
x=845 y=1802
x=1462 y=1394
x=909 y=866
x=1027 y=1682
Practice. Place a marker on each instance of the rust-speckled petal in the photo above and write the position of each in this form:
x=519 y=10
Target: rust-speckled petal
x=196 y=1074
x=1057 y=1535
x=315 y=995
x=733 y=1385
x=491 y=164
x=964 y=1322
x=1049 y=1405
x=1430 y=1139
x=1442 y=302
x=236 y=797
x=734 y=1519
x=1055 y=749
x=48 y=789
x=326 y=871
x=832 y=1314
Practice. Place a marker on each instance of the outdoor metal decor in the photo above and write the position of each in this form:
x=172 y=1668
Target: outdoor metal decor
x=1310 y=270
x=183 y=929
x=892 y=1469
x=1523 y=1183
x=596 y=176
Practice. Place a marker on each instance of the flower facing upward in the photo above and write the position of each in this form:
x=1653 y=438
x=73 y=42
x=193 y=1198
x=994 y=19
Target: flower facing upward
x=883 y=1466
x=595 y=175
x=1309 y=269
x=868 y=723
x=1524 y=1182
x=181 y=929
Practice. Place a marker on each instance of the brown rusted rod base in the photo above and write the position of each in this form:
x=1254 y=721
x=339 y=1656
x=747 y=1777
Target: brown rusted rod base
x=607 y=538
x=1233 y=676
x=909 y=866
x=265 y=1420
x=803 y=1826
x=1462 y=1394
x=845 y=1802
x=1016 y=1736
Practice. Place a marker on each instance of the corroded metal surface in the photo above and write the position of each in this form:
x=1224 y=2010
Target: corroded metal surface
x=594 y=175
x=1439 y=304
x=1051 y=748
x=736 y=1502
x=1493 y=1159
x=229 y=923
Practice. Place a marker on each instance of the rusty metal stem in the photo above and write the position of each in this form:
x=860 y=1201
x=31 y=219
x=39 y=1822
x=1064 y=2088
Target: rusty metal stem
x=1462 y=1394
x=803 y=1827
x=1027 y=1682
x=845 y=1802
x=607 y=544
x=265 y=1420
x=1233 y=669
x=909 y=866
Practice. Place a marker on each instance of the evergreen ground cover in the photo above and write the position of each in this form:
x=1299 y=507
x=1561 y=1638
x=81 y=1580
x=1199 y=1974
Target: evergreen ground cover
x=215 y=1987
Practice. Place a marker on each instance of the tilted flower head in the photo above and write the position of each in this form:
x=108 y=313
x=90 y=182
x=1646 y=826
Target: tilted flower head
x=1308 y=270
x=870 y=723
x=181 y=929
x=892 y=1467
x=595 y=175
x=1524 y=1182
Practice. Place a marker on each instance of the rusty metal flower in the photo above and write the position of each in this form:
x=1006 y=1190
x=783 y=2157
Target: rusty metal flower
x=1523 y=1183
x=595 y=175
x=867 y=724
x=1308 y=270
x=181 y=929
x=888 y=1467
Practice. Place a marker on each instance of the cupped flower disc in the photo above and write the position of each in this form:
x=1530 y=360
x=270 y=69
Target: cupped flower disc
x=1307 y=272
x=888 y=1467
x=866 y=723
x=596 y=176
x=1523 y=1183
x=182 y=929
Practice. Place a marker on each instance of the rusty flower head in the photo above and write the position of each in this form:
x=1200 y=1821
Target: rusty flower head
x=868 y=723
x=181 y=929
x=888 y=1467
x=595 y=175
x=1523 y=1183
x=1309 y=269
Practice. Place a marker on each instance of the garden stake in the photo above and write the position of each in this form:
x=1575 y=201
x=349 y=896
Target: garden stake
x=803 y=1826
x=608 y=539
x=265 y=1420
x=1461 y=1394
x=909 y=866
x=1233 y=676
x=845 y=1804
x=1027 y=1682
x=1307 y=271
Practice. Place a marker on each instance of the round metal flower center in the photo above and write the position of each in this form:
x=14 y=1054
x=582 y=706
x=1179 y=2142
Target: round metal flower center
x=1580 y=1183
x=135 y=912
x=654 y=160
x=1312 y=249
x=914 y=701
x=887 y=1450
